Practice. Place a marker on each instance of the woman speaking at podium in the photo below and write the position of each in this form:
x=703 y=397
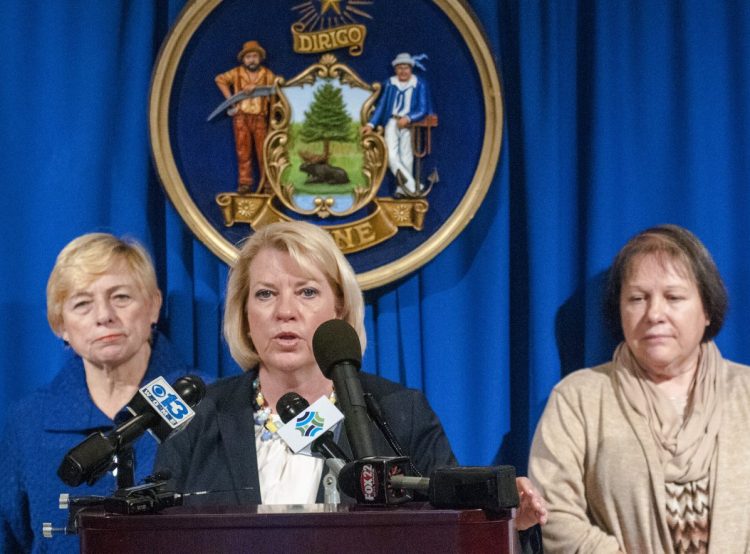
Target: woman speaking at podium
x=290 y=278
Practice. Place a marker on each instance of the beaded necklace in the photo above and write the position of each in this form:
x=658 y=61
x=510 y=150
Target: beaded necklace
x=263 y=416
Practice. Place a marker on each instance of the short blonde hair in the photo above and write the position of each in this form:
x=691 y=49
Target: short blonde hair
x=88 y=257
x=309 y=246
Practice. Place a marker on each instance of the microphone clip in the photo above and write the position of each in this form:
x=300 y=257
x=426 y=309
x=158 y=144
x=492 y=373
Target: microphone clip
x=149 y=498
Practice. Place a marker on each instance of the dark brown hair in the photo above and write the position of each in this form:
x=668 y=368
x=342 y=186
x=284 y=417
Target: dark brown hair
x=676 y=244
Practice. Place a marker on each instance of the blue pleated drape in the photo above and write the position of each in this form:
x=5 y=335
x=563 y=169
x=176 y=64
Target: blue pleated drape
x=619 y=115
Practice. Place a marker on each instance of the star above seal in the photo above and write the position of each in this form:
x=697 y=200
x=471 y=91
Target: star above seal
x=326 y=5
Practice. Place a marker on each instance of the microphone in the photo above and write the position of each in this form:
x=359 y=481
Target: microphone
x=157 y=407
x=290 y=406
x=339 y=355
x=381 y=481
x=371 y=481
x=165 y=410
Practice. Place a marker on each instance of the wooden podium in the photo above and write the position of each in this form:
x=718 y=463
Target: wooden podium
x=414 y=527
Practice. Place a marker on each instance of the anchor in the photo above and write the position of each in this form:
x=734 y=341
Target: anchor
x=421 y=137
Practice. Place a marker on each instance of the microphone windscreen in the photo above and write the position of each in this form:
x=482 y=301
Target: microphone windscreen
x=491 y=488
x=348 y=480
x=290 y=405
x=191 y=389
x=336 y=341
x=87 y=461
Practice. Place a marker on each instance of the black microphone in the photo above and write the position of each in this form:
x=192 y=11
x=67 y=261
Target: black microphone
x=290 y=406
x=91 y=459
x=191 y=389
x=339 y=355
x=381 y=482
x=370 y=481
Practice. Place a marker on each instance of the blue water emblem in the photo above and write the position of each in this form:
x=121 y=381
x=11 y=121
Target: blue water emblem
x=341 y=202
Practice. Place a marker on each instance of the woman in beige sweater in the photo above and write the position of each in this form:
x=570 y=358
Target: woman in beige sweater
x=648 y=453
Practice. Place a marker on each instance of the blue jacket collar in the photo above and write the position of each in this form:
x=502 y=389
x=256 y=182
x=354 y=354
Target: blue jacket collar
x=67 y=406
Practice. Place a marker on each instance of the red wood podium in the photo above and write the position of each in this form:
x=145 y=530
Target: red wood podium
x=414 y=527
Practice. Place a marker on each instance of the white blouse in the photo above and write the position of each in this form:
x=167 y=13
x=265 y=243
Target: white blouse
x=285 y=477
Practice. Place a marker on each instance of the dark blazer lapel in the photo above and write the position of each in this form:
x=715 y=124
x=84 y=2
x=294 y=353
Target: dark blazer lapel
x=237 y=438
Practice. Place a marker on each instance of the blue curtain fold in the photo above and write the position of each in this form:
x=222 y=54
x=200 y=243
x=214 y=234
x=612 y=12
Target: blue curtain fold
x=618 y=116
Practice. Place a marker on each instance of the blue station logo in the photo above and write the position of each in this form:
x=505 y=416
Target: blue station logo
x=310 y=424
x=167 y=402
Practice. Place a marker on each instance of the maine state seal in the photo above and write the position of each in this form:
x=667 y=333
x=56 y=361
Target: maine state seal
x=378 y=122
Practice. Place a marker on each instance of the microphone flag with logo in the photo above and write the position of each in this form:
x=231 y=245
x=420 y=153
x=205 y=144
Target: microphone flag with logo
x=157 y=407
x=303 y=430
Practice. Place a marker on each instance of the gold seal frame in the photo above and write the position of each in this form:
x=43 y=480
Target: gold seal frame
x=458 y=12
x=277 y=157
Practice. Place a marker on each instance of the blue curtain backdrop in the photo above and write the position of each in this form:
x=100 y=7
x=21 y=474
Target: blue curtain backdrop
x=619 y=115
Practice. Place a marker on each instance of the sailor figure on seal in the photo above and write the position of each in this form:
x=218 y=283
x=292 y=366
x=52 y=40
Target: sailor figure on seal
x=405 y=100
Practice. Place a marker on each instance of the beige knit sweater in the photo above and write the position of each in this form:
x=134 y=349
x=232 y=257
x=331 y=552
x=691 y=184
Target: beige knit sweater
x=596 y=464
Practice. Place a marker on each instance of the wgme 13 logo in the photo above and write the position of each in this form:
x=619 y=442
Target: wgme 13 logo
x=167 y=402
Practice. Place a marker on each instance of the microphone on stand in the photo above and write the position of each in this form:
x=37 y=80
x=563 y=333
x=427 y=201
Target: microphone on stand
x=339 y=355
x=157 y=407
x=382 y=481
x=291 y=406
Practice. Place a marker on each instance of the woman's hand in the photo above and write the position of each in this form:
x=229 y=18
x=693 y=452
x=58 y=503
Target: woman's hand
x=532 y=508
